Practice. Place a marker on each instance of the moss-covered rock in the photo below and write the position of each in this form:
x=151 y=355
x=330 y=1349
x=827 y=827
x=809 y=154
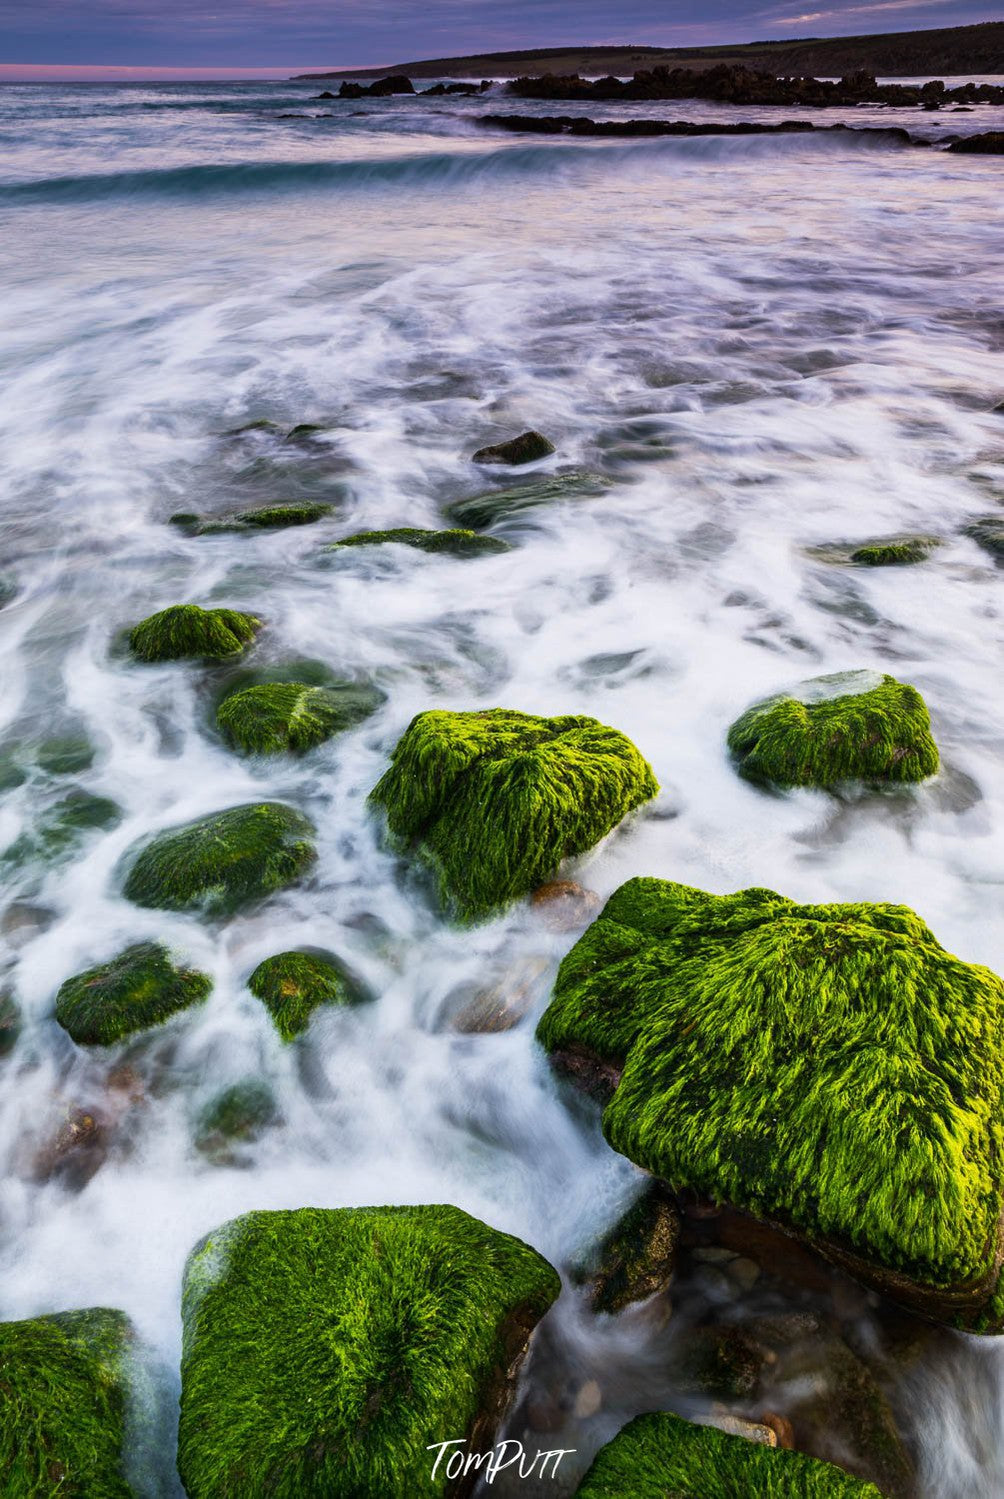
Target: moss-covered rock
x=325 y=1349
x=851 y=726
x=456 y=543
x=637 y=1257
x=528 y=447
x=65 y=755
x=186 y=631
x=494 y=801
x=139 y=988
x=894 y=551
x=661 y=1456
x=988 y=531
x=479 y=511
x=273 y=717
x=292 y=985
x=10 y=1023
x=223 y=861
x=63 y=827
x=831 y=1069
x=63 y=1398
x=236 y=1116
x=263 y=518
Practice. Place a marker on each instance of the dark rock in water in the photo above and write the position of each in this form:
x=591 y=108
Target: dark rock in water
x=990 y=143
x=331 y=1346
x=275 y=717
x=325 y=94
x=224 y=861
x=238 y=1115
x=260 y=424
x=138 y=989
x=455 y=543
x=292 y=985
x=763 y=1054
x=264 y=518
x=186 y=631
x=65 y=1390
x=489 y=1010
x=580 y=125
x=488 y=508
x=439 y=89
x=76 y=1152
x=62 y=827
x=661 y=1454
x=383 y=88
x=65 y=755
x=988 y=531
x=638 y=1256
x=723 y=1361
x=305 y=432
x=8 y=589
x=528 y=447
x=10 y=1023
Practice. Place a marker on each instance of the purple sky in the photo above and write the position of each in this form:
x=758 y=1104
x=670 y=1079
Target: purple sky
x=280 y=36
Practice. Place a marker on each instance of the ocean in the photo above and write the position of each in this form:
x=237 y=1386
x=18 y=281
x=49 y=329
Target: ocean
x=762 y=348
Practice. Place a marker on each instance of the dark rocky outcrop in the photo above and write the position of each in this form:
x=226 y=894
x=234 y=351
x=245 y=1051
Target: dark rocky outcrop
x=528 y=447
x=990 y=143
x=382 y=89
x=580 y=125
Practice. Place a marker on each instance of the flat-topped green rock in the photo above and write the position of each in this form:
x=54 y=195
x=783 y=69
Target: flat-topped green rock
x=661 y=1456
x=223 y=861
x=185 y=631
x=831 y=1069
x=274 y=717
x=479 y=511
x=325 y=1349
x=493 y=801
x=454 y=543
x=292 y=985
x=852 y=726
x=263 y=518
x=63 y=1395
x=894 y=551
x=139 y=988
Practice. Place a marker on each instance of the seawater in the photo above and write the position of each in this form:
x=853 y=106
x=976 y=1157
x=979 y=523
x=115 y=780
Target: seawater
x=765 y=344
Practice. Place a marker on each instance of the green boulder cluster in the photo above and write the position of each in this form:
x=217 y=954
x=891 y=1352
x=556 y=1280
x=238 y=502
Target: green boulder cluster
x=292 y=985
x=184 y=631
x=456 y=543
x=138 y=989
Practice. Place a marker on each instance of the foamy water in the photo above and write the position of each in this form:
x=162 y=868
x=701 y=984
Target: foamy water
x=766 y=344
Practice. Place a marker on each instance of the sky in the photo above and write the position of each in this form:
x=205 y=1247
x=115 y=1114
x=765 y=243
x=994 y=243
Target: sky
x=221 y=38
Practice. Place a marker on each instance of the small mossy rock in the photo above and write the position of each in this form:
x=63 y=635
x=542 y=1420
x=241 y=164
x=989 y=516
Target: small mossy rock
x=830 y=1069
x=456 y=543
x=988 y=532
x=238 y=1115
x=223 y=861
x=853 y=726
x=62 y=827
x=292 y=985
x=637 y=1257
x=661 y=1456
x=894 y=551
x=264 y=518
x=63 y=1399
x=185 y=631
x=479 y=511
x=325 y=1349
x=528 y=447
x=494 y=801
x=66 y=755
x=138 y=989
x=10 y=1023
x=722 y=1361
x=274 y=717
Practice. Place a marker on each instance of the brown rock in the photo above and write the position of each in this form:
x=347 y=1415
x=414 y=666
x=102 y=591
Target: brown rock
x=565 y=906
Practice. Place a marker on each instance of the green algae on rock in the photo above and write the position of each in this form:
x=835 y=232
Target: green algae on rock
x=325 y=1348
x=264 y=518
x=493 y=801
x=829 y=1069
x=291 y=985
x=661 y=1456
x=636 y=1258
x=528 y=447
x=223 y=861
x=240 y=1113
x=62 y=827
x=185 y=630
x=63 y=1401
x=988 y=532
x=138 y=989
x=850 y=726
x=272 y=717
x=894 y=551
x=455 y=543
x=479 y=511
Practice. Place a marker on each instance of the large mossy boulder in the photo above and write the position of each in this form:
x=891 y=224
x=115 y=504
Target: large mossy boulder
x=184 y=631
x=853 y=726
x=454 y=543
x=63 y=1399
x=830 y=1069
x=291 y=985
x=224 y=861
x=494 y=801
x=138 y=989
x=324 y=1350
x=661 y=1456
x=270 y=718
x=479 y=511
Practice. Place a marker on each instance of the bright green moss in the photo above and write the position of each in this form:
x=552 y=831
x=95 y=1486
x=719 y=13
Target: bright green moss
x=264 y=518
x=139 y=988
x=185 y=630
x=829 y=1067
x=292 y=985
x=482 y=510
x=276 y=716
x=223 y=861
x=494 y=801
x=661 y=1456
x=63 y=1406
x=895 y=551
x=325 y=1349
x=988 y=531
x=453 y=543
x=851 y=726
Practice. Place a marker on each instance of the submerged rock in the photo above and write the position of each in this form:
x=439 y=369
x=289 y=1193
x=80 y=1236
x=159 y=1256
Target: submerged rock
x=292 y=985
x=988 y=531
x=894 y=551
x=989 y=143
x=455 y=543
x=138 y=989
x=185 y=630
x=850 y=726
x=326 y=1348
x=76 y=1151
x=63 y=1394
x=272 y=717
x=637 y=1258
x=236 y=1116
x=264 y=518
x=661 y=1455
x=223 y=861
x=65 y=755
x=528 y=447
x=62 y=827
x=10 y=1023
x=482 y=510
x=493 y=801
x=829 y=1069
